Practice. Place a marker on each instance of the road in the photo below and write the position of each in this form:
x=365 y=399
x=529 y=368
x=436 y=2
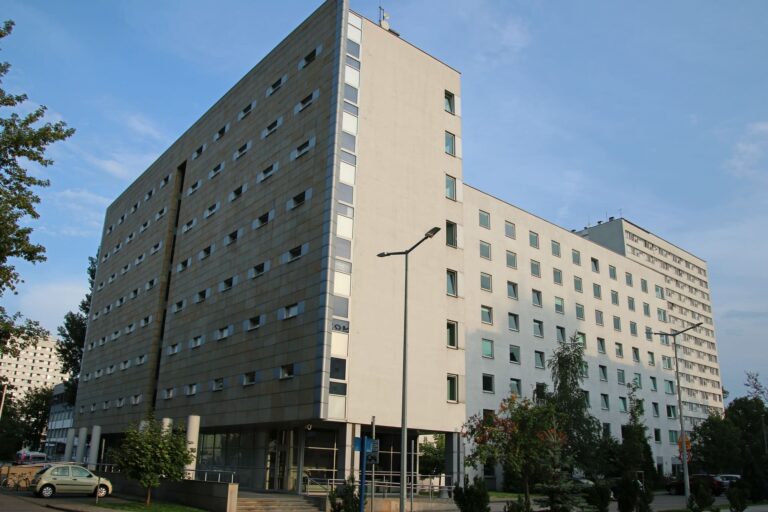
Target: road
x=10 y=503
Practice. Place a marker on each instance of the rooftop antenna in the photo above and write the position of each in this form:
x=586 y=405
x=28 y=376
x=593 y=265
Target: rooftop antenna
x=383 y=18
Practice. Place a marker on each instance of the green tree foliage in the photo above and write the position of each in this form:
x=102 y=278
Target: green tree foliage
x=515 y=437
x=23 y=139
x=558 y=490
x=344 y=498
x=582 y=430
x=432 y=459
x=472 y=497
x=716 y=446
x=72 y=337
x=24 y=421
x=737 y=497
x=150 y=453
x=749 y=415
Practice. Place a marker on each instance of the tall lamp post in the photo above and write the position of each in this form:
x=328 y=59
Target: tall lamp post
x=683 y=444
x=404 y=414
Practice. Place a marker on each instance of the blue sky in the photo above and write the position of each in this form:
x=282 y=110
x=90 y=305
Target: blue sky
x=574 y=111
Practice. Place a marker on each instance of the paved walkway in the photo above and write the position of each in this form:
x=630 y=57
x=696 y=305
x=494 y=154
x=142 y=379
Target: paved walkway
x=21 y=501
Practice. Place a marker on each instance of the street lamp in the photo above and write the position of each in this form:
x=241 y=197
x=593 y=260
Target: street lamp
x=404 y=414
x=683 y=444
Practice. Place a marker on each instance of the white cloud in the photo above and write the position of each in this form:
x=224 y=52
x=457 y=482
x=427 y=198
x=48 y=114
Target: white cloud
x=145 y=128
x=48 y=303
x=750 y=153
x=124 y=165
x=79 y=197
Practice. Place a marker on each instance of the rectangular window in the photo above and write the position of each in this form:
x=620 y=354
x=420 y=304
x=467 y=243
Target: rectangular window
x=657 y=435
x=612 y=272
x=539 y=359
x=488 y=383
x=514 y=354
x=533 y=239
x=623 y=404
x=598 y=317
x=651 y=359
x=661 y=314
x=512 y=290
x=635 y=354
x=601 y=345
x=452 y=334
x=644 y=285
x=669 y=387
x=557 y=276
x=577 y=284
x=576 y=257
x=452 y=285
x=450 y=187
x=628 y=279
x=484 y=219
x=535 y=268
x=286 y=371
x=509 y=229
x=451 y=234
x=485 y=250
x=453 y=388
x=633 y=328
x=486 y=282
x=513 y=321
x=511 y=259
x=654 y=385
x=619 y=350
x=560 y=305
x=614 y=297
x=603 y=371
x=595 y=265
x=486 y=314
x=536 y=298
x=560 y=334
x=616 y=323
x=579 y=311
x=555 y=248
x=659 y=292
x=515 y=387
x=450 y=102
x=637 y=380
x=631 y=303
x=620 y=377
x=646 y=309
x=604 y=402
x=672 y=412
x=597 y=291
x=674 y=435
x=450 y=143
x=538 y=328
x=487 y=346
x=655 y=408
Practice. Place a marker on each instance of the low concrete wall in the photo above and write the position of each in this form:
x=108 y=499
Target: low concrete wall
x=213 y=496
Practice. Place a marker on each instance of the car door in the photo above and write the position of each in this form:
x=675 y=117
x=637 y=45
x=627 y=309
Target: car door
x=82 y=480
x=60 y=479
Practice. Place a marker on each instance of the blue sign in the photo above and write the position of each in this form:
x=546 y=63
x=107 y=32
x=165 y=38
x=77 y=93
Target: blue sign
x=368 y=444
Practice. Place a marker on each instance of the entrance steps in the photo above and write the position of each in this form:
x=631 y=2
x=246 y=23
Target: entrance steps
x=267 y=502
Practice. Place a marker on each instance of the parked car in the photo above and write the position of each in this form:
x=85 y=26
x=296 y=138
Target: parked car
x=715 y=485
x=728 y=480
x=68 y=479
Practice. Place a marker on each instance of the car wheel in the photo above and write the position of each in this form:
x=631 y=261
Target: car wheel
x=47 y=491
x=102 y=491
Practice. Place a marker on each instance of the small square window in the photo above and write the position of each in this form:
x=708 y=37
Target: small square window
x=487 y=346
x=512 y=290
x=533 y=239
x=515 y=387
x=450 y=143
x=484 y=219
x=488 y=383
x=287 y=371
x=450 y=102
x=486 y=314
x=509 y=229
x=485 y=250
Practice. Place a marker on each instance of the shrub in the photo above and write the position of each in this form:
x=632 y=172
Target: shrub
x=598 y=496
x=472 y=497
x=737 y=497
x=344 y=498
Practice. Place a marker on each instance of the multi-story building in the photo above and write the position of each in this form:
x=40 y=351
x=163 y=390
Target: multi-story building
x=37 y=366
x=686 y=291
x=239 y=278
x=60 y=420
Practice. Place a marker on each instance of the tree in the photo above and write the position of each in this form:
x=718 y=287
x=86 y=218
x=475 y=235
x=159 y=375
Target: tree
x=755 y=388
x=72 y=337
x=635 y=456
x=716 y=446
x=33 y=409
x=748 y=415
x=22 y=139
x=516 y=437
x=149 y=452
x=582 y=430
x=432 y=459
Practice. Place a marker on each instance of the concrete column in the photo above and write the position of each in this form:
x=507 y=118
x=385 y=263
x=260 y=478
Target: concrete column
x=300 y=461
x=93 y=452
x=70 y=444
x=167 y=424
x=193 y=433
x=260 y=474
x=346 y=439
x=289 y=473
x=81 y=442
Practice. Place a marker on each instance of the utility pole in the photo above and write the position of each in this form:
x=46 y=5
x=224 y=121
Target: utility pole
x=683 y=443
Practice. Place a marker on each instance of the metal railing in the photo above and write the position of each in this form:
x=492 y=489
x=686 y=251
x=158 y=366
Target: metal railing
x=202 y=475
x=385 y=485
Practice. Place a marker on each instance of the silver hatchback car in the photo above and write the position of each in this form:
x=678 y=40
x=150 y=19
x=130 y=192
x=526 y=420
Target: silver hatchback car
x=68 y=479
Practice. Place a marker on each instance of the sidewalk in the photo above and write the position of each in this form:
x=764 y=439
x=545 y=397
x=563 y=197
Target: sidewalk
x=66 y=503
